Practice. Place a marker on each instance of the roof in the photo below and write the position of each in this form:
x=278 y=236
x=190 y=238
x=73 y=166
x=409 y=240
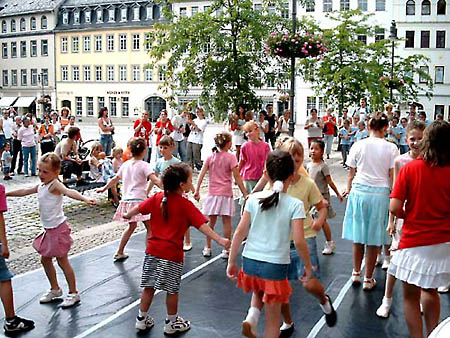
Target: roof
x=81 y=3
x=12 y=7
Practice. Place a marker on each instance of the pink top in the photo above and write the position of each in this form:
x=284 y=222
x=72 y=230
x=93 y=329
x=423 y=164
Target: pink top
x=253 y=158
x=134 y=176
x=220 y=166
x=3 y=206
x=26 y=136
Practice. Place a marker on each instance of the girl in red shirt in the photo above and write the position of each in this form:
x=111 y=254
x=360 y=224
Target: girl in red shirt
x=172 y=214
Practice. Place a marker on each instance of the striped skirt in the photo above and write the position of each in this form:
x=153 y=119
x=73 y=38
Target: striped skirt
x=161 y=274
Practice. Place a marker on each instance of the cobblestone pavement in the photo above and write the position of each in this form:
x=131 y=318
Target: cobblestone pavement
x=93 y=225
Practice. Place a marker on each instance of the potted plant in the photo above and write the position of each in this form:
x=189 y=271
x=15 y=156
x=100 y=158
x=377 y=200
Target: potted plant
x=295 y=44
x=394 y=83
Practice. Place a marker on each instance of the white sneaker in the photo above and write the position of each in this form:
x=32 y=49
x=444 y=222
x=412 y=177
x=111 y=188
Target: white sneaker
x=71 y=300
x=144 y=323
x=50 y=296
x=386 y=262
x=206 y=252
x=329 y=248
x=179 y=325
x=385 y=307
x=379 y=260
x=444 y=289
x=225 y=254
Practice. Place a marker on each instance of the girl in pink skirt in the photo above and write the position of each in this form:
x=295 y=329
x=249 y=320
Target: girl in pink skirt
x=222 y=166
x=134 y=174
x=55 y=241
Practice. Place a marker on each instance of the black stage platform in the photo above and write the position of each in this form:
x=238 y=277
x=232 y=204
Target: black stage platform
x=110 y=297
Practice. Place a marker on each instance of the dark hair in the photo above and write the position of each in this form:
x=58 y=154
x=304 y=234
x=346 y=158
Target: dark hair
x=137 y=145
x=221 y=140
x=72 y=132
x=171 y=178
x=435 y=145
x=102 y=111
x=313 y=109
x=403 y=119
x=422 y=113
x=320 y=143
x=263 y=112
x=394 y=118
x=279 y=166
x=378 y=122
x=166 y=141
x=415 y=124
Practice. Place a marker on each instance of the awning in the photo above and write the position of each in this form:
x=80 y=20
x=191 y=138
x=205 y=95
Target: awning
x=7 y=101
x=24 y=101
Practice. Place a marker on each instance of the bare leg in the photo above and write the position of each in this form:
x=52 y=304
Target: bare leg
x=126 y=237
x=327 y=231
x=390 y=283
x=47 y=263
x=212 y=224
x=411 y=306
x=273 y=312
x=187 y=237
x=172 y=304
x=238 y=152
x=146 y=299
x=286 y=313
x=358 y=254
x=371 y=258
x=431 y=308
x=6 y=295
x=114 y=194
x=65 y=266
x=226 y=220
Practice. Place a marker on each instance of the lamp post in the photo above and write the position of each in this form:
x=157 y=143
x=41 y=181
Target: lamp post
x=393 y=37
x=292 y=92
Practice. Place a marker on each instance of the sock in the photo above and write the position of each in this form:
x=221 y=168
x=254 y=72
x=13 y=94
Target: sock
x=172 y=318
x=286 y=326
x=326 y=308
x=142 y=314
x=253 y=315
x=10 y=320
x=387 y=301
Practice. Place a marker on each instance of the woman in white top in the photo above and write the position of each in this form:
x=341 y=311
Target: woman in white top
x=195 y=140
x=283 y=123
x=314 y=126
x=371 y=163
x=106 y=130
x=263 y=124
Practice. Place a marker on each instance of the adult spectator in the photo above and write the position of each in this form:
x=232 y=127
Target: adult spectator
x=6 y=124
x=26 y=137
x=272 y=119
x=143 y=128
x=46 y=136
x=162 y=127
x=195 y=140
x=363 y=110
x=388 y=110
x=329 y=130
x=412 y=113
x=106 y=130
x=237 y=121
x=179 y=125
x=64 y=120
x=314 y=126
x=342 y=118
x=283 y=123
x=68 y=153
x=56 y=127
x=17 y=147
x=263 y=124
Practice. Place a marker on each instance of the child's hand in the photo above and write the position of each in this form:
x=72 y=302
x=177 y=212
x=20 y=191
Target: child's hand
x=197 y=196
x=341 y=198
x=91 y=201
x=345 y=193
x=225 y=242
x=391 y=228
x=232 y=271
x=99 y=190
x=307 y=275
x=126 y=216
x=5 y=251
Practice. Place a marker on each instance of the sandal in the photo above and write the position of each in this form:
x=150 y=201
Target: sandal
x=356 y=277
x=120 y=257
x=369 y=283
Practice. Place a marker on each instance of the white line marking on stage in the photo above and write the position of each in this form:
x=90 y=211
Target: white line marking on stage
x=135 y=303
x=321 y=322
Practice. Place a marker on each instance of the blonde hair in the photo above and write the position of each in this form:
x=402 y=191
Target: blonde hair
x=167 y=141
x=249 y=125
x=116 y=151
x=292 y=146
x=96 y=145
x=52 y=159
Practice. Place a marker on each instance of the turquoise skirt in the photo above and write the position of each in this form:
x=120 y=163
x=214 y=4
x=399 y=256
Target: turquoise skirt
x=367 y=215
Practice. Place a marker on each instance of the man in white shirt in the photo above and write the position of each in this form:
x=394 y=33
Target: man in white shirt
x=363 y=110
x=179 y=125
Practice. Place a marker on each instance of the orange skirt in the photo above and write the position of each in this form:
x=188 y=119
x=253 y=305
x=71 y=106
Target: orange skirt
x=275 y=291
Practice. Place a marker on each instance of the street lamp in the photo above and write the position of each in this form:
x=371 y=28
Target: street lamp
x=393 y=37
x=41 y=81
x=292 y=93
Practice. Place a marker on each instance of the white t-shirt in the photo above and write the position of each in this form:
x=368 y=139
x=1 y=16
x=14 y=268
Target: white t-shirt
x=7 y=127
x=315 y=130
x=372 y=157
x=134 y=176
x=196 y=136
x=262 y=125
x=178 y=121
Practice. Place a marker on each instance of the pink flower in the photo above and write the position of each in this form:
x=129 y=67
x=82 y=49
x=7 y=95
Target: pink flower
x=309 y=47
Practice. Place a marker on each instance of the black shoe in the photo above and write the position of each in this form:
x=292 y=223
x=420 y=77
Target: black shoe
x=288 y=332
x=81 y=183
x=331 y=318
x=17 y=325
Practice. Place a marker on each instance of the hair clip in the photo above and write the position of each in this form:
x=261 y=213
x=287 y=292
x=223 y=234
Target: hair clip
x=277 y=186
x=164 y=200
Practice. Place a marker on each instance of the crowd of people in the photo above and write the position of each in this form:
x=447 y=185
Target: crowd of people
x=393 y=192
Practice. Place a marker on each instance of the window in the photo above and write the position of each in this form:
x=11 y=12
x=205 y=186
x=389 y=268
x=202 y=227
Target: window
x=147 y=42
x=110 y=43
x=125 y=106
x=87 y=16
x=22 y=24
x=65 y=18
x=111 y=15
x=99 y=15
x=44 y=22
x=4 y=50
x=409 y=43
x=98 y=73
x=439 y=74
x=380 y=5
x=194 y=10
x=33 y=48
x=136 y=42
x=183 y=12
x=86 y=43
x=3 y=26
x=379 y=34
x=162 y=73
x=23 y=77
x=78 y=105
x=258 y=8
x=14 y=77
x=76 y=17
x=285 y=9
x=64 y=45
x=441 y=4
x=149 y=12
x=122 y=42
x=136 y=73
x=425 y=39
x=90 y=105
x=13 y=49
x=64 y=73
x=113 y=106
x=75 y=73
x=13 y=25
x=136 y=13
x=75 y=44
x=410 y=7
x=438 y=110
x=100 y=102
x=310 y=103
x=87 y=73
x=33 y=23
x=440 y=39
x=424 y=69
x=123 y=14
x=345 y=5
x=44 y=48
x=98 y=43
x=5 y=78
x=44 y=79
x=122 y=73
x=23 y=49
x=34 y=77
x=363 y=39
x=148 y=74
x=110 y=73
x=426 y=7
x=362 y=5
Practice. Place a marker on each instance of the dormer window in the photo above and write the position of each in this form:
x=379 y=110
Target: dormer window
x=99 y=15
x=149 y=12
x=76 y=17
x=13 y=25
x=123 y=14
x=65 y=18
x=87 y=15
x=136 y=12
x=33 y=23
x=111 y=14
x=44 y=22
x=22 y=24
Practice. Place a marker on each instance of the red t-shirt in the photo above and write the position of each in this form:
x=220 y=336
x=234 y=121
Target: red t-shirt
x=328 y=125
x=426 y=191
x=162 y=129
x=166 y=240
x=145 y=130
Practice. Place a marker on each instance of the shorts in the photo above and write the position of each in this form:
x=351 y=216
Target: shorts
x=161 y=274
x=5 y=274
x=6 y=170
x=296 y=268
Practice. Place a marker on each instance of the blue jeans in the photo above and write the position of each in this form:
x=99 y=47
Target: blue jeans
x=180 y=150
x=403 y=149
x=27 y=152
x=345 y=148
x=106 y=141
x=328 y=139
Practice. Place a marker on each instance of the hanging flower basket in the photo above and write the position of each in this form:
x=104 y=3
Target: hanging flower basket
x=284 y=98
x=289 y=44
x=43 y=100
x=394 y=83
